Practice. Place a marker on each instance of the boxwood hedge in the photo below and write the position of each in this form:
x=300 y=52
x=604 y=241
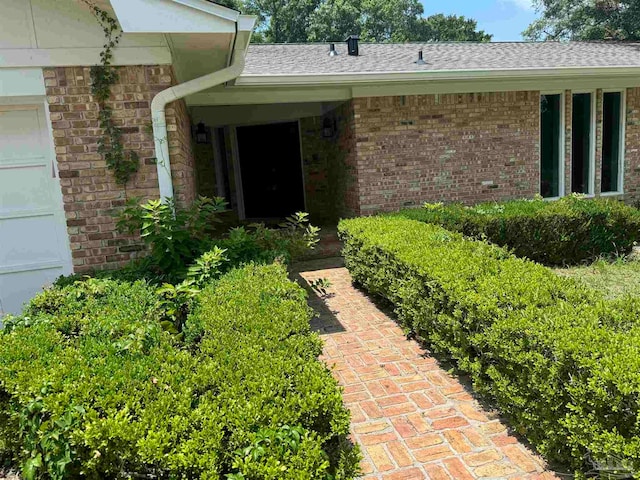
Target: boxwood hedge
x=558 y=359
x=91 y=386
x=566 y=231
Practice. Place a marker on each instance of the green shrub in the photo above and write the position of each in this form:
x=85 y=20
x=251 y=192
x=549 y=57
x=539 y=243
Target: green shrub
x=258 y=243
x=260 y=337
x=558 y=359
x=566 y=231
x=175 y=236
x=178 y=237
x=92 y=385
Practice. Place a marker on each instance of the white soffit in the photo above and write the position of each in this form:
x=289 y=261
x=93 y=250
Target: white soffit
x=197 y=54
x=174 y=16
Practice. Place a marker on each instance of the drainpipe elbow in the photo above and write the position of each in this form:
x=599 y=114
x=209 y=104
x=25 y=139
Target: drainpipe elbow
x=159 y=121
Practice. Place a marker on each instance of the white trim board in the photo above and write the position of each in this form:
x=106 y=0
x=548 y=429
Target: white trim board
x=63 y=57
x=432 y=75
x=271 y=94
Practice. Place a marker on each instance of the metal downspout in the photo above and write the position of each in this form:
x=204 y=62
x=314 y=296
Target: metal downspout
x=176 y=92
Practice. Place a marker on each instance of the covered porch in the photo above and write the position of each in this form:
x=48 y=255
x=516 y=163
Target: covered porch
x=271 y=160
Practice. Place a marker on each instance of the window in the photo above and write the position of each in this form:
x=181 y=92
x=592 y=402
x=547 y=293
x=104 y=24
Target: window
x=582 y=126
x=612 y=142
x=551 y=171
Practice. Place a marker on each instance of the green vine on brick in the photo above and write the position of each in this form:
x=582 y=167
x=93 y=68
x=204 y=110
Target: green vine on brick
x=122 y=163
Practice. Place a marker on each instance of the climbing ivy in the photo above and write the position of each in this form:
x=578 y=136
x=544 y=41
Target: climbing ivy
x=122 y=163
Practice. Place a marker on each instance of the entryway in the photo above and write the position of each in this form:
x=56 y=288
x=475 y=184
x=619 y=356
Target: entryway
x=270 y=170
x=34 y=248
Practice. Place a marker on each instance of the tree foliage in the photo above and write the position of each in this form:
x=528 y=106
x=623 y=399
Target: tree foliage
x=451 y=28
x=281 y=21
x=586 y=20
x=289 y=21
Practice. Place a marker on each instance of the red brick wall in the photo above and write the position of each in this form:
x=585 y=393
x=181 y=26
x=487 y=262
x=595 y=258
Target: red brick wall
x=347 y=142
x=91 y=195
x=457 y=147
x=329 y=166
x=183 y=171
x=315 y=151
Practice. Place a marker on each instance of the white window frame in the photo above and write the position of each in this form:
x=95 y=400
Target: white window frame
x=623 y=139
x=561 y=141
x=593 y=143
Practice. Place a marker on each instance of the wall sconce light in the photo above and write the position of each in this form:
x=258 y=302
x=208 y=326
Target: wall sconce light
x=328 y=127
x=202 y=135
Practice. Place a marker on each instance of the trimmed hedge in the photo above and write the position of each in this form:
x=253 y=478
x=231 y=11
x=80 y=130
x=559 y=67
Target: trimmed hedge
x=92 y=387
x=559 y=360
x=566 y=231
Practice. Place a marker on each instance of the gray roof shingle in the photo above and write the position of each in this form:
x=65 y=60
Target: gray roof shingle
x=305 y=59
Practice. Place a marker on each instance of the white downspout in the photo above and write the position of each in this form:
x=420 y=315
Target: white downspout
x=177 y=92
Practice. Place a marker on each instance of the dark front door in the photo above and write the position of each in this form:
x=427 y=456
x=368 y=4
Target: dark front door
x=271 y=170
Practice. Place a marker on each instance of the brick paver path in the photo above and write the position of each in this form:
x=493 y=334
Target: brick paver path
x=412 y=419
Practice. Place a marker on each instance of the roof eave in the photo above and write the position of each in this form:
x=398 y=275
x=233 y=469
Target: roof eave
x=174 y=16
x=211 y=8
x=437 y=75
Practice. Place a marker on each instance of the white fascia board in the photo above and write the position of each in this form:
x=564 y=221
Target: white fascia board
x=433 y=75
x=246 y=23
x=546 y=84
x=212 y=8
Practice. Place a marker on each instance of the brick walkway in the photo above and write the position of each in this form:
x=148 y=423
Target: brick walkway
x=412 y=419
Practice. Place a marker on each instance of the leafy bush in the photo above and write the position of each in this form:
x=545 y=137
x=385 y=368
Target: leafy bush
x=558 y=359
x=260 y=337
x=257 y=243
x=92 y=385
x=566 y=231
x=177 y=237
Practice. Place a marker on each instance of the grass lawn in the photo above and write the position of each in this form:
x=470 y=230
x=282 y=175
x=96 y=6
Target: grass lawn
x=613 y=277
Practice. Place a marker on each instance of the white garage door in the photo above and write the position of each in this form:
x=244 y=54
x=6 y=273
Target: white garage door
x=34 y=249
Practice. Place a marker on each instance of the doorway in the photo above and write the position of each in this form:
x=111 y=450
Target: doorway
x=270 y=170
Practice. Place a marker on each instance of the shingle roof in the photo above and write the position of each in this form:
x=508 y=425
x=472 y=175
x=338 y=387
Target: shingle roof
x=304 y=59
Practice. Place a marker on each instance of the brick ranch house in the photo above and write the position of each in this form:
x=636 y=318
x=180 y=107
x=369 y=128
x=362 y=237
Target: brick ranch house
x=279 y=128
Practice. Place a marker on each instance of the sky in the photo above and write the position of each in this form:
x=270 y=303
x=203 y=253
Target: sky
x=505 y=19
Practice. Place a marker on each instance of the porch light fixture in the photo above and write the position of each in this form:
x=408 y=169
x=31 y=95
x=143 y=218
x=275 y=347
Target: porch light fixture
x=202 y=137
x=328 y=127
